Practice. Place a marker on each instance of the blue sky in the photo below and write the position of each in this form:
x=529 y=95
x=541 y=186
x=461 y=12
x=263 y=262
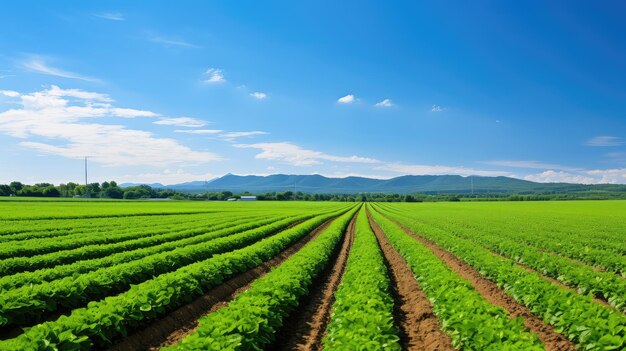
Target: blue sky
x=189 y=90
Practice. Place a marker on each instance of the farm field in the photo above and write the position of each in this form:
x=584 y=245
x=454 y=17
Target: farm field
x=149 y=275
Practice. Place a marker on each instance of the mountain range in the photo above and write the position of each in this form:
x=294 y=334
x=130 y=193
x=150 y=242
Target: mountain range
x=430 y=184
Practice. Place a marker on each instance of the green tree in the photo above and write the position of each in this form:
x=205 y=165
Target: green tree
x=16 y=186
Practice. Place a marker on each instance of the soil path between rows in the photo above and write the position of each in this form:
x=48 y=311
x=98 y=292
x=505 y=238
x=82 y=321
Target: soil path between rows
x=552 y=340
x=305 y=329
x=173 y=327
x=557 y=282
x=413 y=313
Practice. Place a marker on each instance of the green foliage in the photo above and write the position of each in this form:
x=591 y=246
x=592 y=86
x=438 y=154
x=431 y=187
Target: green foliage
x=105 y=320
x=363 y=308
x=251 y=319
x=587 y=323
x=471 y=322
x=28 y=303
x=72 y=262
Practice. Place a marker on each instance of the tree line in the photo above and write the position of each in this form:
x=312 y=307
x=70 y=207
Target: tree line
x=111 y=190
x=105 y=190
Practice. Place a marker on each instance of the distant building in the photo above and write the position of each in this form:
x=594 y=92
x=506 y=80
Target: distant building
x=232 y=199
x=248 y=198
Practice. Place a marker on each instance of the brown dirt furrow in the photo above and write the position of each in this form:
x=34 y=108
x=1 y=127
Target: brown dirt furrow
x=552 y=340
x=575 y=261
x=183 y=321
x=548 y=278
x=599 y=300
x=305 y=329
x=413 y=313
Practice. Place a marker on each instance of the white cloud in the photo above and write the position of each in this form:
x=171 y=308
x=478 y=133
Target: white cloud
x=610 y=176
x=214 y=76
x=131 y=113
x=594 y=176
x=5 y=75
x=37 y=64
x=297 y=156
x=417 y=169
x=604 y=140
x=231 y=136
x=181 y=122
x=168 y=42
x=258 y=95
x=530 y=164
x=9 y=93
x=348 y=99
x=385 y=103
x=551 y=176
x=113 y=16
x=198 y=131
x=437 y=108
x=79 y=94
x=56 y=121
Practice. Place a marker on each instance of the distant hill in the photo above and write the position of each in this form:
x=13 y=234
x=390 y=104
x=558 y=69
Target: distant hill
x=430 y=184
x=152 y=185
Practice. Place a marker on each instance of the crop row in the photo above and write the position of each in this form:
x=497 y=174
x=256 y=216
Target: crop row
x=363 y=308
x=27 y=304
x=108 y=319
x=586 y=242
x=589 y=324
x=23 y=264
x=250 y=321
x=587 y=280
x=87 y=265
x=45 y=245
x=98 y=226
x=471 y=321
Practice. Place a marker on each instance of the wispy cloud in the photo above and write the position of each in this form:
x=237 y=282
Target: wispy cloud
x=437 y=108
x=60 y=122
x=581 y=176
x=530 y=165
x=181 y=122
x=214 y=75
x=297 y=156
x=3 y=73
x=258 y=95
x=198 y=131
x=385 y=103
x=9 y=93
x=38 y=65
x=604 y=140
x=113 y=16
x=609 y=176
x=169 y=42
x=552 y=176
x=232 y=136
x=420 y=169
x=348 y=99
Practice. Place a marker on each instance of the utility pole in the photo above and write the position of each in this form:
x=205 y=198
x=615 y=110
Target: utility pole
x=86 y=184
x=294 y=191
x=472 y=180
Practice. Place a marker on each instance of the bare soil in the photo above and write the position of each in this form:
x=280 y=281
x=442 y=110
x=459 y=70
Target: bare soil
x=552 y=340
x=305 y=329
x=413 y=313
x=183 y=321
x=599 y=300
